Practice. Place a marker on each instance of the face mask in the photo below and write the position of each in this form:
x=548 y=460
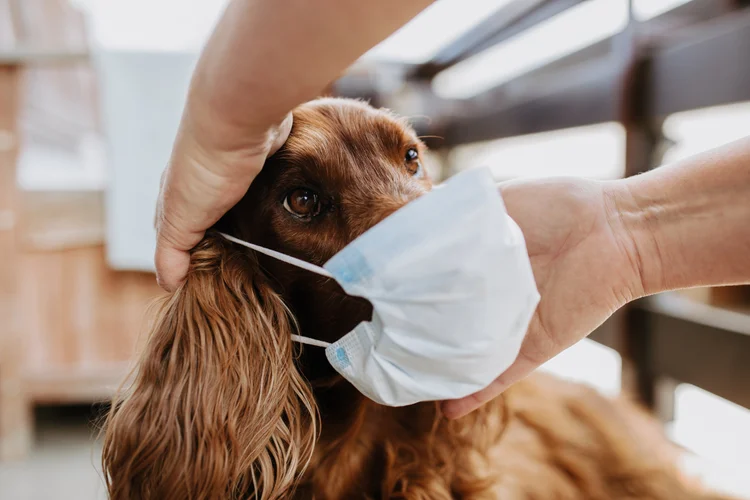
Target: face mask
x=452 y=292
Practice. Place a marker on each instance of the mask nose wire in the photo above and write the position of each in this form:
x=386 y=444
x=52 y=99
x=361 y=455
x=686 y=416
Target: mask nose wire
x=295 y=262
x=280 y=256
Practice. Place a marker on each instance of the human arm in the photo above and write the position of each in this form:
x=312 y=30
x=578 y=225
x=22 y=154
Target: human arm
x=690 y=222
x=264 y=58
x=594 y=246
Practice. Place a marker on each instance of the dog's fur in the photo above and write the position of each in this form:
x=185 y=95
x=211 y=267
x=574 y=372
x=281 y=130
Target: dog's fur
x=224 y=405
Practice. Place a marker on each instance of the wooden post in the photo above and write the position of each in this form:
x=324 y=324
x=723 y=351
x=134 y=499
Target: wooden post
x=643 y=143
x=15 y=410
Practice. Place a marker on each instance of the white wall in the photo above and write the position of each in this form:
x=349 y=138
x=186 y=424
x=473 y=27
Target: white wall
x=143 y=94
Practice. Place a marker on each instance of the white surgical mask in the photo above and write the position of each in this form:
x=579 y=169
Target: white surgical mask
x=452 y=292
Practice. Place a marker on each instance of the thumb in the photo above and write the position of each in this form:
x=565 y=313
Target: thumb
x=520 y=369
x=281 y=134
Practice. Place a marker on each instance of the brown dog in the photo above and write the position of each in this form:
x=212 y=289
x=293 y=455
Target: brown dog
x=224 y=405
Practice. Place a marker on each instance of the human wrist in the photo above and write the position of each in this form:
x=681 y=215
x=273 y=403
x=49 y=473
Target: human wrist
x=689 y=220
x=224 y=147
x=218 y=128
x=634 y=227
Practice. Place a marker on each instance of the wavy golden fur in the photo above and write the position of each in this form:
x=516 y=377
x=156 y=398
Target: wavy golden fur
x=224 y=405
x=217 y=406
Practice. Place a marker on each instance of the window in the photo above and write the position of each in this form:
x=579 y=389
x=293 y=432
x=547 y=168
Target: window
x=596 y=151
x=568 y=32
x=703 y=129
x=644 y=10
x=433 y=29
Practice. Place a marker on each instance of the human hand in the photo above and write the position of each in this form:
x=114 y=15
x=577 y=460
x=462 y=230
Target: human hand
x=259 y=63
x=206 y=176
x=584 y=262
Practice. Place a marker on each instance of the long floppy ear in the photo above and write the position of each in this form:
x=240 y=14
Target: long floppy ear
x=217 y=408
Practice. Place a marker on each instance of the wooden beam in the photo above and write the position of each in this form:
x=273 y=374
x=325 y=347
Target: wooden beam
x=582 y=96
x=505 y=23
x=695 y=67
x=700 y=344
x=522 y=15
x=36 y=56
x=609 y=334
x=582 y=88
x=15 y=410
x=76 y=386
x=708 y=68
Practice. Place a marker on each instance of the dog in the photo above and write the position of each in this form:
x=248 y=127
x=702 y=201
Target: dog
x=224 y=405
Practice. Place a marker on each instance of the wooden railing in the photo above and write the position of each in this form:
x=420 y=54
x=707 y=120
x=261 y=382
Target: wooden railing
x=691 y=57
x=68 y=323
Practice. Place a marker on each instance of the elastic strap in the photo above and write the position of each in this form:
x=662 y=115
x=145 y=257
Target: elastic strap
x=295 y=262
x=307 y=340
x=280 y=256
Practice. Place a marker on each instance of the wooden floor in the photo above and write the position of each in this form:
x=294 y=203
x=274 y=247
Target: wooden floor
x=63 y=464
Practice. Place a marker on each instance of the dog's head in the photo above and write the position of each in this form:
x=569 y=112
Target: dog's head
x=218 y=407
x=345 y=167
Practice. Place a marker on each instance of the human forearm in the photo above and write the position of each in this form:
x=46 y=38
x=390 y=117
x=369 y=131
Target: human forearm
x=690 y=222
x=265 y=57
x=595 y=246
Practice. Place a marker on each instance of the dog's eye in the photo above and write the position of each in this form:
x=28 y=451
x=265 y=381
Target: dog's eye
x=302 y=203
x=413 y=165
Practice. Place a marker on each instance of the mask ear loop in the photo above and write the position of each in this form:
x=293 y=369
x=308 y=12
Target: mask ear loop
x=295 y=262
x=310 y=341
x=280 y=256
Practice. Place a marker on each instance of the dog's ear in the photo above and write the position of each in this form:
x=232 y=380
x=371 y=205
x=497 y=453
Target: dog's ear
x=217 y=408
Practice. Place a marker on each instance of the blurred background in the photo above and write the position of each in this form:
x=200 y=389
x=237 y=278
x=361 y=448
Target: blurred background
x=91 y=92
